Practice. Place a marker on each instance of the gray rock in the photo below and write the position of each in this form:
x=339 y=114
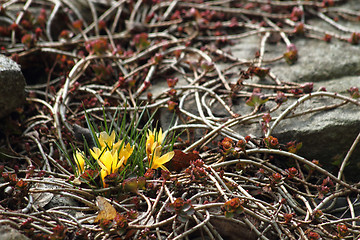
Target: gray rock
x=8 y=233
x=326 y=135
x=318 y=61
x=12 y=82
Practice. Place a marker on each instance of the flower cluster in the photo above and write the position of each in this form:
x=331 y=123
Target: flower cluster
x=226 y=145
x=293 y=147
x=112 y=156
x=109 y=155
x=256 y=99
x=325 y=187
x=291 y=172
x=354 y=92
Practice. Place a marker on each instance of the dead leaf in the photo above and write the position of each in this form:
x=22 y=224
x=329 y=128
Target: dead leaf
x=41 y=199
x=181 y=160
x=107 y=211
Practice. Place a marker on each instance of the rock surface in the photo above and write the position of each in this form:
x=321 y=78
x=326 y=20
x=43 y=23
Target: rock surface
x=326 y=135
x=8 y=233
x=12 y=82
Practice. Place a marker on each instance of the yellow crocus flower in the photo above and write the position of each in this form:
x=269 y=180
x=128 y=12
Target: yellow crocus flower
x=111 y=160
x=158 y=161
x=106 y=139
x=154 y=140
x=80 y=161
x=109 y=163
x=109 y=156
x=109 y=141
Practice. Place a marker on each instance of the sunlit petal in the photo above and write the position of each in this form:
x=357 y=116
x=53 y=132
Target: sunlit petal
x=164 y=168
x=101 y=165
x=80 y=161
x=158 y=161
x=114 y=162
x=126 y=152
x=149 y=143
x=160 y=137
x=165 y=158
x=121 y=162
x=107 y=160
x=95 y=152
x=106 y=140
x=116 y=146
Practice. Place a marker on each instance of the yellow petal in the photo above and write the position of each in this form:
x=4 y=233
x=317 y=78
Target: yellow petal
x=107 y=160
x=164 y=168
x=149 y=143
x=126 y=152
x=160 y=137
x=149 y=133
x=121 y=162
x=106 y=140
x=103 y=167
x=158 y=161
x=112 y=136
x=165 y=158
x=115 y=162
x=129 y=149
x=80 y=161
x=95 y=152
x=103 y=174
x=116 y=146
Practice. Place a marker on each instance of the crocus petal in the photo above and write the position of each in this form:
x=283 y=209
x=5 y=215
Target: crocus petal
x=149 y=143
x=103 y=174
x=95 y=152
x=80 y=161
x=149 y=133
x=158 y=161
x=107 y=160
x=121 y=162
x=116 y=146
x=164 y=168
x=115 y=162
x=129 y=149
x=103 y=167
x=106 y=140
x=126 y=152
x=154 y=140
x=160 y=137
x=165 y=158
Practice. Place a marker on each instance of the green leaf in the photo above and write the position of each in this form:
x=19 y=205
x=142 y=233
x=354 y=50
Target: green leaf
x=256 y=100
